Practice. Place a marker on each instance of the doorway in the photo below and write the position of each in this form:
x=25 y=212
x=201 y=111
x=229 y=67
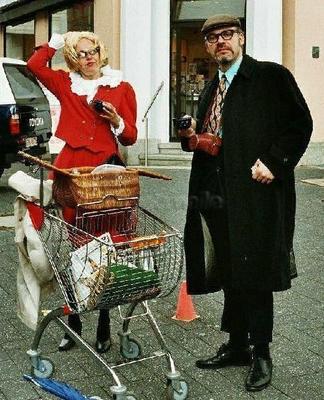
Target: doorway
x=191 y=68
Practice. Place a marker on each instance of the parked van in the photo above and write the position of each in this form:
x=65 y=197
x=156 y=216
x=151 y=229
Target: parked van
x=25 y=119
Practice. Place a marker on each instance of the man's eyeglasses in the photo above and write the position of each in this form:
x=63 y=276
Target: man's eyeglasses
x=225 y=35
x=84 y=53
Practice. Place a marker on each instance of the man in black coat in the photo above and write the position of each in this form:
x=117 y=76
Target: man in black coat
x=252 y=127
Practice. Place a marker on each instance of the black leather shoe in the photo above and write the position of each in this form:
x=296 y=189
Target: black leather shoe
x=75 y=324
x=66 y=344
x=260 y=374
x=103 y=347
x=225 y=357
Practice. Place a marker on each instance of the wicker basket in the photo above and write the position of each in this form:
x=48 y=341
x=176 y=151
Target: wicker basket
x=113 y=189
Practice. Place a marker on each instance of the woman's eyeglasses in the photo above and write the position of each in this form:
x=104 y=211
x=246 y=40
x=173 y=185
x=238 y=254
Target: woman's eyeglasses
x=225 y=35
x=85 y=53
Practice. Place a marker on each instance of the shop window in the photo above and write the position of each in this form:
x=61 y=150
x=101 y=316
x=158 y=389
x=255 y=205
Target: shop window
x=191 y=66
x=20 y=40
x=78 y=17
x=184 y=10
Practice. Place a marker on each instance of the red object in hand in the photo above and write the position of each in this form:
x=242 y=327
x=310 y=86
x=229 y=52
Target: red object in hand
x=206 y=142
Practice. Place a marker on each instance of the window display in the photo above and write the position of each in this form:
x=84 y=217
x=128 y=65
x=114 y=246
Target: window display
x=78 y=17
x=20 y=40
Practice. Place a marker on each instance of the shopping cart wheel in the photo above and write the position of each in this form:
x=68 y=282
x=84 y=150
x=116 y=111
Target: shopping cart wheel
x=120 y=393
x=44 y=369
x=130 y=348
x=176 y=389
x=124 y=397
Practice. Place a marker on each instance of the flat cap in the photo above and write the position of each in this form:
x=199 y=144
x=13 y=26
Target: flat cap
x=220 y=21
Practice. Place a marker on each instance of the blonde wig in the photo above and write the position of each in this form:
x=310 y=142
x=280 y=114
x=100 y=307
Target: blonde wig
x=70 y=53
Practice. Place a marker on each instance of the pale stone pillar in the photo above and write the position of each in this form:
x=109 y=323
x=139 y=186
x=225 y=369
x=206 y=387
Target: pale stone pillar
x=145 y=58
x=2 y=38
x=107 y=27
x=264 y=29
x=289 y=32
x=136 y=45
x=41 y=27
x=160 y=33
x=309 y=20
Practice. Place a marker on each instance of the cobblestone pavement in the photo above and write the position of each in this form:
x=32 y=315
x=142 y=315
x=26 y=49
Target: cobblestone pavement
x=297 y=350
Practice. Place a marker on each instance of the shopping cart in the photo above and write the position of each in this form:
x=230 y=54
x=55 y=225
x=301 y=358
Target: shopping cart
x=109 y=258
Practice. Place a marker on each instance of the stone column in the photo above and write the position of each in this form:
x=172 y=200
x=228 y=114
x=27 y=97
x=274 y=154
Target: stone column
x=145 y=58
x=264 y=29
x=2 y=39
x=107 y=27
x=41 y=27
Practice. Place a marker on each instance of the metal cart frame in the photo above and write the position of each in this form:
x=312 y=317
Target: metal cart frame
x=144 y=239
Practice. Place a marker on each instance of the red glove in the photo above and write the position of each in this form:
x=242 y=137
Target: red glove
x=206 y=142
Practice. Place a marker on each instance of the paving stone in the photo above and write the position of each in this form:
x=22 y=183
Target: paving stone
x=17 y=389
x=296 y=387
x=297 y=348
x=93 y=387
x=4 y=356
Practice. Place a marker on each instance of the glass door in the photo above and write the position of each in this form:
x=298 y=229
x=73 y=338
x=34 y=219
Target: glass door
x=191 y=67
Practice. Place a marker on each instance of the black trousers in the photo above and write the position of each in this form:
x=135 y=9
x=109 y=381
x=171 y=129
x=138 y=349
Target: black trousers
x=103 y=327
x=248 y=314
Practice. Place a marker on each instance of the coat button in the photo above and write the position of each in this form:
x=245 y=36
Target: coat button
x=91 y=138
x=285 y=160
x=83 y=122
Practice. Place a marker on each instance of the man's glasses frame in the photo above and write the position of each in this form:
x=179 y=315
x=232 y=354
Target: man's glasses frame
x=225 y=35
x=84 y=53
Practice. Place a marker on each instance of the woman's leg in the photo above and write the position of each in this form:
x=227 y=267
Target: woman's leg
x=103 y=341
x=75 y=323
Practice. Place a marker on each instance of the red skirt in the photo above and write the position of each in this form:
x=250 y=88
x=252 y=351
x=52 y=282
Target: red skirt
x=80 y=157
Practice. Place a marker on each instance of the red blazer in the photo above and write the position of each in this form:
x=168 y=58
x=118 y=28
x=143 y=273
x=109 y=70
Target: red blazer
x=80 y=125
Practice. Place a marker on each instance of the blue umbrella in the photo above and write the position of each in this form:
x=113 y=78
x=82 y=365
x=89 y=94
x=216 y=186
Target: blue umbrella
x=60 y=389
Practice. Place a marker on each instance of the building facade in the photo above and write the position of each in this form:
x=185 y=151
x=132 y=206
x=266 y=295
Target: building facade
x=158 y=46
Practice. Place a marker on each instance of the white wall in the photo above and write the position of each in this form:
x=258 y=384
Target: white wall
x=135 y=55
x=160 y=63
x=145 y=45
x=264 y=29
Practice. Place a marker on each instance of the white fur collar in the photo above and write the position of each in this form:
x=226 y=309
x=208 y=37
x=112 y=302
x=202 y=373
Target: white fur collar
x=110 y=77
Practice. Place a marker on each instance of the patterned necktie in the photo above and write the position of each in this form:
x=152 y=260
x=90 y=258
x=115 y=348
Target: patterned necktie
x=213 y=122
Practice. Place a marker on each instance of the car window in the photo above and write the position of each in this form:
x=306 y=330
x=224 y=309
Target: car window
x=23 y=84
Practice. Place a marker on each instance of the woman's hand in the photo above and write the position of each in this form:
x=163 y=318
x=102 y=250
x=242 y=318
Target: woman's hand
x=57 y=41
x=110 y=113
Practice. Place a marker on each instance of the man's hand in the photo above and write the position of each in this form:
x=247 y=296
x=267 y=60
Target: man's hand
x=186 y=133
x=261 y=173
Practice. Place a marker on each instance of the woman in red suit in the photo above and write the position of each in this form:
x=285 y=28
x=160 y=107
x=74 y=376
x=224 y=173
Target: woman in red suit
x=91 y=136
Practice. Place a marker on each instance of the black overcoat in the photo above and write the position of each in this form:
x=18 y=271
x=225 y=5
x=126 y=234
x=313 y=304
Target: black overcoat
x=250 y=237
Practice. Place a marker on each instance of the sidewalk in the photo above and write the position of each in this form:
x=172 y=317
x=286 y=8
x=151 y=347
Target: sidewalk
x=297 y=350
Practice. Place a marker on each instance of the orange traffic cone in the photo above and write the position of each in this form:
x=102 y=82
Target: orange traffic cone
x=185 y=308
